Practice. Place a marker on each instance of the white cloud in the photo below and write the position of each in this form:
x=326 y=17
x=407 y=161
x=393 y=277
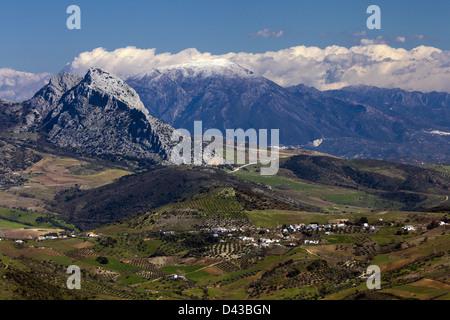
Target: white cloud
x=130 y=60
x=378 y=40
x=267 y=33
x=419 y=36
x=360 y=33
x=18 y=86
x=400 y=39
x=422 y=68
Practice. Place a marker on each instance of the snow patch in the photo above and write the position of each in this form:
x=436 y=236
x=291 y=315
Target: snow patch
x=202 y=68
x=317 y=142
x=439 y=133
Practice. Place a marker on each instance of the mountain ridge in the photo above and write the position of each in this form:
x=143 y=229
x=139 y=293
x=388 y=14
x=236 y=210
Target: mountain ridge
x=102 y=116
x=354 y=122
x=305 y=116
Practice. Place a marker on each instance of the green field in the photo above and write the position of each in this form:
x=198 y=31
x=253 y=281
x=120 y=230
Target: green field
x=441 y=168
x=14 y=219
x=274 y=218
x=184 y=269
x=11 y=225
x=252 y=173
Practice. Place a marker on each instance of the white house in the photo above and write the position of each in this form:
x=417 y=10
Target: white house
x=311 y=242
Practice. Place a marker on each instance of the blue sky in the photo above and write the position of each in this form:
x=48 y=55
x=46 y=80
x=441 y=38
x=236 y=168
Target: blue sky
x=35 y=38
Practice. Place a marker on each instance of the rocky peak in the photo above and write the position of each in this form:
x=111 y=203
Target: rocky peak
x=115 y=88
x=46 y=99
x=103 y=116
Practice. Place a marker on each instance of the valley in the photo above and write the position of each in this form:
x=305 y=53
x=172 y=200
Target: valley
x=222 y=234
x=86 y=179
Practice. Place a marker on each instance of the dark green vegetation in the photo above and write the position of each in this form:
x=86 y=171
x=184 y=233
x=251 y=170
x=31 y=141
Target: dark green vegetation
x=28 y=219
x=15 y=157
x=153 y=232
x=128 y=263
x=83 y=182
x=146 y=191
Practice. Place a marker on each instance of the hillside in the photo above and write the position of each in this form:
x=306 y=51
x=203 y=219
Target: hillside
x=406 y=184
x=146 y=191
x=224 y=95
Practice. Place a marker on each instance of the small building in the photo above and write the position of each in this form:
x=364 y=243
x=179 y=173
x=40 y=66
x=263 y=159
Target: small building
x=311 y=242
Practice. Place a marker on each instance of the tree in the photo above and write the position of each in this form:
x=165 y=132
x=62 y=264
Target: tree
x=433 y=225
x=362 y=221
x=102 y=260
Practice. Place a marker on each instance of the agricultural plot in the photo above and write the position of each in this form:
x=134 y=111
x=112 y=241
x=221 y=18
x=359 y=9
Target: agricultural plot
x=252 y=173
x=23 y=219
x=83 y=253
x=147 y=269
x=220 y=203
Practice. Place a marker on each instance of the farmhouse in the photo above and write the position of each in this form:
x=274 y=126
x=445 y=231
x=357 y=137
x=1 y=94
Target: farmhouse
x=311 y=242
x=92 y=235
x=251 y=239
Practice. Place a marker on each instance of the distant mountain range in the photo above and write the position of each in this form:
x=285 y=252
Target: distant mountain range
x=355 y=122
x=430 y=110
x=103 y=115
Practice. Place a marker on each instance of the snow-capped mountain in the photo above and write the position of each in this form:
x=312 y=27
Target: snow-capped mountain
x=431 y=109
x=103 y=116
x=206 y=69
x=226 y=96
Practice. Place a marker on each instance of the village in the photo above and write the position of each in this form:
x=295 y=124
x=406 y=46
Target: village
x=301 y=234
x=286 y=235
